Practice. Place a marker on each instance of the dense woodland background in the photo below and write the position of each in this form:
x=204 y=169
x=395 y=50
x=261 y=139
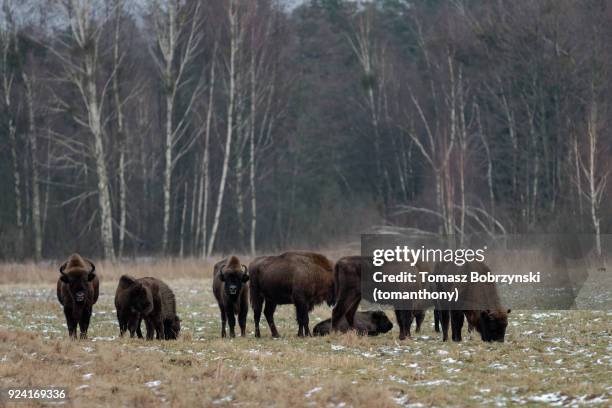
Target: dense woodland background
x=185 y=127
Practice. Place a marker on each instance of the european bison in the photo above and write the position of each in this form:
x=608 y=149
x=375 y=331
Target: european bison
x=490 y=320
x=366 y=323
x=77 y=290
x=230 y=286
x=304 y=279
x=149 y=299
x=347 y=275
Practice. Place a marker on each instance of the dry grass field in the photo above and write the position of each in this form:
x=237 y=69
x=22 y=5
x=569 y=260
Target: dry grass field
x=550 y=358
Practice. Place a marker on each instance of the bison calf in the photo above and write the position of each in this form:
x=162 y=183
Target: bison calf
x=366 y=323
x=149 y=299
x=304 y=279
x=230 y=288
x=77 y=291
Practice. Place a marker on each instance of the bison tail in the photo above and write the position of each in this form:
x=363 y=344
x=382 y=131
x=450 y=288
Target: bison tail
x=333 y=291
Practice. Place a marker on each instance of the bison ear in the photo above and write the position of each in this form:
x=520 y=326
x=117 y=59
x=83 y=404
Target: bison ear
x=245 y=277
x=221 y=277
x=508 y=311
x=91 y=276
x=484 y=314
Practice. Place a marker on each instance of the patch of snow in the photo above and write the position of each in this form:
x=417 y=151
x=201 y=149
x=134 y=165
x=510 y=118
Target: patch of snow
x=337 y=347
x=87 y=376
x=153 y=384
x=498 y=366
x=82 y=387
x=398 y=379
x=313 y=391
x=552 y=398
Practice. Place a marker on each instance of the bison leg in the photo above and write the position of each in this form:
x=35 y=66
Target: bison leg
x=71 y=322
x=456 y=324
x=242 y=317
x=257 y=302
x=123 y=323
x=231 y=318
x=345 y=308
x=159 y=329
x=84 y=322
x=444 y=319
x=138 y=330
x=404 y=318
x=301 y=311
x=419 y=320
x=223 y=319
x=269 y=313
x=350 y=313
x=437 y=320
x=150 y=328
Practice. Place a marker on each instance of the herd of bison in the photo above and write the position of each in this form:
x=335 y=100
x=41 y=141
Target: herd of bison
x=304 y=279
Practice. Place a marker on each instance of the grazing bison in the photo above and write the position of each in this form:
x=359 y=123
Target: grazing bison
x=77 y=290
x=490 y=319
x=149 y=299
x=304 y=279
x=367 y=323
x=230 y=287
x=347 y=275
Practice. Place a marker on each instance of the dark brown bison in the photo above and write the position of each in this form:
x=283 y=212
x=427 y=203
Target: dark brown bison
x=304 y=279
x=347 y=275
x=490 y=319
x=230 y=286
x=366 y=323
x=147 y=299
x=77 y=290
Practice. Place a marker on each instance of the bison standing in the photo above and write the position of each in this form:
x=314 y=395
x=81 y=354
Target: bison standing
x=77 y=290
x=230 y=288
x=490 y=319
x=149 y=299
x=304 y=279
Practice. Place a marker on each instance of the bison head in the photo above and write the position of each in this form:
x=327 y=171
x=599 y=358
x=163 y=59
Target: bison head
x=78 y=278
x=492 y=324
x=172 y=327
x=141 y=300
x=382 y=322
x=233 y=278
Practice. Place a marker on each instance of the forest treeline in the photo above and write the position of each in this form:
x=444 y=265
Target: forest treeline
x=183 y=127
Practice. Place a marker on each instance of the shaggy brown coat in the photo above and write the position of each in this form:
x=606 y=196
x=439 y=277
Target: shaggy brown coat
x=231 y=289
x=490 y=319
x=366 y=323
x=149 y=299
x=304 y=279
x=77 y=291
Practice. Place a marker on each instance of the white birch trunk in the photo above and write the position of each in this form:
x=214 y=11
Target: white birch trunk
x=232 y=14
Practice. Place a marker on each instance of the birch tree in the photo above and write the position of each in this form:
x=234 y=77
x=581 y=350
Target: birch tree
x=8 y=80
x=236 y=38
x=178 y=37
x=82 y=71
x=28 y=78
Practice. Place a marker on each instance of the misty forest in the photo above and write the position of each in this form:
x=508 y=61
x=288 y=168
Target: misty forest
x=190 y=128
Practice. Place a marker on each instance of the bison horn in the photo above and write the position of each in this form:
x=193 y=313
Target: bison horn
x=93 y=267
x=63 y=267
x=244 y=268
